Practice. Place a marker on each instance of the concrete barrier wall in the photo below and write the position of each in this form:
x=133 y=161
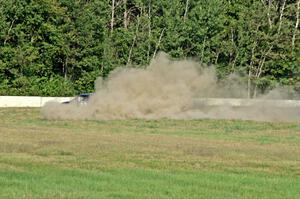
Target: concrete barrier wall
x=233 y=102
x=56 y=99
x=26 y=101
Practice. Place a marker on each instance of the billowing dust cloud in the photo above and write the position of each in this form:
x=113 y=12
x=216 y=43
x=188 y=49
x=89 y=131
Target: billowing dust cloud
x=168 y=89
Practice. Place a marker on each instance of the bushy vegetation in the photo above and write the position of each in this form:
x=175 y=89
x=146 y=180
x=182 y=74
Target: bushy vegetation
x=60 y=47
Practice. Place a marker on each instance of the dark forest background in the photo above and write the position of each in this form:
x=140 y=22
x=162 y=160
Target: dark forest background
x=59 y=47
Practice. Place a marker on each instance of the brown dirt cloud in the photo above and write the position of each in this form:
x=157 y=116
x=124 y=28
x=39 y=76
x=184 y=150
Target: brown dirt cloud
x=168 y=89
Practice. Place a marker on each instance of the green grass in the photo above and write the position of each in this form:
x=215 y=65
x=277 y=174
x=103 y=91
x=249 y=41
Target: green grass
x=146 y=159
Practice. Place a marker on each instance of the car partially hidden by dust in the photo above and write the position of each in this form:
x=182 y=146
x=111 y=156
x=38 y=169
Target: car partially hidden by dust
x=81 y=99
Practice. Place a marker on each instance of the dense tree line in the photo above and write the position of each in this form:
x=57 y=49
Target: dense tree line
x=59 y=47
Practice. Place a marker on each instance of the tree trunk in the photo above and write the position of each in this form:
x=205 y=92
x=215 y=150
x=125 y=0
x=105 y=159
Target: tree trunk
x=112 y=21
x=281 y=15
x=186 y=9
x=8 y=32
x=259 y=70
x=249 y=83
x=65 y=68
x=269 y=15
x=125 y=20
x=133 y=42
x=158 y=43
x=203 y=48
x=296 y=25
x=235 y=53
x=149 y=30
x=217 y=57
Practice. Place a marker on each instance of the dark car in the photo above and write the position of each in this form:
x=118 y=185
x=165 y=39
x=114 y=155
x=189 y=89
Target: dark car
x=81 y=99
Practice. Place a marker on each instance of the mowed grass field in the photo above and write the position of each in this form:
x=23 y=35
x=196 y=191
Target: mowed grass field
x=146 y=159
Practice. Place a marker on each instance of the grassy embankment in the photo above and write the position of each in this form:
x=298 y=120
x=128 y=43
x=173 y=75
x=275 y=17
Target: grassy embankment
x=146 y=159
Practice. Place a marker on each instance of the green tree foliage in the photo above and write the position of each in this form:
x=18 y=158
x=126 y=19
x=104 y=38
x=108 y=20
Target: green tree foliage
x=59 y=47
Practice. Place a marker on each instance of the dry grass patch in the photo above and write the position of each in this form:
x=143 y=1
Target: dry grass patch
x=216 y=150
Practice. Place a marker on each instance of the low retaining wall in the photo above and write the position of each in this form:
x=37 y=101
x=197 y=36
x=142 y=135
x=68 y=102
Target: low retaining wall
x=26 y=101
x=233 y=102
